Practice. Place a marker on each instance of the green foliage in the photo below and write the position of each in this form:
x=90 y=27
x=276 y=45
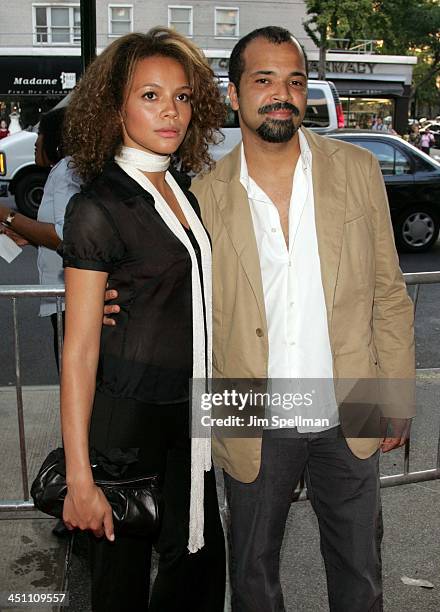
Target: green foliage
x=405 y=27
x=337 y=19
x=412 y=27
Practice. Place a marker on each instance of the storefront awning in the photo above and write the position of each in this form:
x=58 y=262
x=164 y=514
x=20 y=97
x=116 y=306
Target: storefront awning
x=38 y=76
x=351 y=87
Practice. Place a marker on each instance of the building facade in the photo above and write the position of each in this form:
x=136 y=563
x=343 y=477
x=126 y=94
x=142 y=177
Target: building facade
x=40 y=50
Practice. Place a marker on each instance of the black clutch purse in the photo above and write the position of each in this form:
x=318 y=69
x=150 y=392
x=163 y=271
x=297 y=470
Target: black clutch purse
x=135 y=502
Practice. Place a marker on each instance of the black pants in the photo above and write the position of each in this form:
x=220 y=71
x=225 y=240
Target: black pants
x=121 y=569
x=345 y=496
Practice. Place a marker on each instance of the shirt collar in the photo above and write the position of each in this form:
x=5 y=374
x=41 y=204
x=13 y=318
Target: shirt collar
x=305 y=155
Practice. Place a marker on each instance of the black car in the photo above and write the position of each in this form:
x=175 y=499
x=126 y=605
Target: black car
x=412 y=181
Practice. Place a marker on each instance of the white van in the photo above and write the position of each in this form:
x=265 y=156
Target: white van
x=20 y=176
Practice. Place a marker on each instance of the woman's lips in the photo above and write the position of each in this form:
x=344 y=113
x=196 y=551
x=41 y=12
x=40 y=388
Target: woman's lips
x=170 y=133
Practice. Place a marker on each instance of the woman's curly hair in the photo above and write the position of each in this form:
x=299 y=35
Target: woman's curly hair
x=92 y=128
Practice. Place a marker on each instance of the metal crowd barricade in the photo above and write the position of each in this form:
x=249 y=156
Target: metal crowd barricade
x=13 y=292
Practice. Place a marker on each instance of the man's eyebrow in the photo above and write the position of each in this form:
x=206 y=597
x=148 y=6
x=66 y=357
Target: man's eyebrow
x=269 y=72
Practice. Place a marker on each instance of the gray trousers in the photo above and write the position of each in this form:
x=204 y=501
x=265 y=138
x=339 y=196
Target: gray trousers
x=345 y=496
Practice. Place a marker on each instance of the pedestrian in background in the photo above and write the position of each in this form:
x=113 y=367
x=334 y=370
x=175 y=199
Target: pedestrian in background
x=379 y=125
x=414 y=136
x=3 y=129
x=426 y=141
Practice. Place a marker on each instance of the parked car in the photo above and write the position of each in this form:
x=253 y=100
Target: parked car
x=412 y=181
x=19 y=175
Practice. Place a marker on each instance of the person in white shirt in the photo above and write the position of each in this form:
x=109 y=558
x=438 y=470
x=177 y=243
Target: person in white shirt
x=47 y=231
x=298 y=277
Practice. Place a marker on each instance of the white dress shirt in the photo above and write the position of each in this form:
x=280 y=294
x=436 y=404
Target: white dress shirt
x=299 y=343
x=62 y=183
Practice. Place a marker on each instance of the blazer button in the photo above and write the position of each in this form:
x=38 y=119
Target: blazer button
x=259 y=332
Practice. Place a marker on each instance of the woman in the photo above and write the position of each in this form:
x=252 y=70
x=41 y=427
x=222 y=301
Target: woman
x=414 y=136
x=426 y=141
x=145 y=98
x=3 y=129
x=46 y=232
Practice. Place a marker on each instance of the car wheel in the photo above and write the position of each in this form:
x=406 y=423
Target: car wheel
x=416 y=230
x=29 y=193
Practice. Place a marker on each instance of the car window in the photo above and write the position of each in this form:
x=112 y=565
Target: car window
x=317 y=108
x=422 y=165
x=391 y=159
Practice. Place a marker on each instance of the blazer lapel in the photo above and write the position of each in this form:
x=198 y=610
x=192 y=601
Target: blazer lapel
x=234 y=207
x=329 y=192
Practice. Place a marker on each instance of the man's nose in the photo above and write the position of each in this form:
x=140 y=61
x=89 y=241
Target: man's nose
x=281 y=92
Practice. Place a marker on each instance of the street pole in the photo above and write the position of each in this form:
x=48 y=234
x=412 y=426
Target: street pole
x=88 y=32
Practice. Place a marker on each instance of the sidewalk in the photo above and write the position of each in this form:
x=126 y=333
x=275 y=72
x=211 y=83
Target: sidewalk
x=32 y=559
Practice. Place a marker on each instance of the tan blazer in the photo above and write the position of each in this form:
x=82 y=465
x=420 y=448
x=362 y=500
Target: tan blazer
x=370 y=316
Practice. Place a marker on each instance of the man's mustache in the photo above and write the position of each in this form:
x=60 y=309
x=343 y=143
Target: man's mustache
x=263 y=110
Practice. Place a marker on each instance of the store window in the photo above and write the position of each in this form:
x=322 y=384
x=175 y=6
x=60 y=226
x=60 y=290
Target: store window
x=120 y=18
x=226 y=22
x=180 y=18
x=362 y=112
x=57 y=25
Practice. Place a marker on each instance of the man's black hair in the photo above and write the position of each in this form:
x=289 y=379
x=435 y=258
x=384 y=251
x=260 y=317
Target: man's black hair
x=51 y=126
x=273 y=34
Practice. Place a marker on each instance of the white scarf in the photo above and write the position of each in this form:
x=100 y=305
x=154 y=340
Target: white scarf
x=132 y=161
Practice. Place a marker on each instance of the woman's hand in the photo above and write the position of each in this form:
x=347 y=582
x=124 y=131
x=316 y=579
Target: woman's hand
x=86 y=507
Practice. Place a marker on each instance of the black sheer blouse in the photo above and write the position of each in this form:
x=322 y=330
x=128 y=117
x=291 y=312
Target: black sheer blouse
x=113 y=226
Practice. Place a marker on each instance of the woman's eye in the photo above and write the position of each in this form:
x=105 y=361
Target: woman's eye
x=183 y=97
x=149 y=95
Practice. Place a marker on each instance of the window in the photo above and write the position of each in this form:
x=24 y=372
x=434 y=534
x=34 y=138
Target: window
x=317 y=109
x=180 y=18
x=57 y=25
x=391 y=159
x=226 y=22
x=120 y=19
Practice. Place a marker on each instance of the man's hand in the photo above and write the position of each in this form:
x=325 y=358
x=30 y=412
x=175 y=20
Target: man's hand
x=19 y=240
x=110 y=294
x=396 y=431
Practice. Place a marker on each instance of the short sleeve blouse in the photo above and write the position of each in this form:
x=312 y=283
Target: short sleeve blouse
x=91 y=239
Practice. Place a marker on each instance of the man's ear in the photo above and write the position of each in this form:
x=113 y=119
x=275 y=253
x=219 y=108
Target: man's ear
x=233 y=97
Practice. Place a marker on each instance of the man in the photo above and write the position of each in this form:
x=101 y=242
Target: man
x=306 y=284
